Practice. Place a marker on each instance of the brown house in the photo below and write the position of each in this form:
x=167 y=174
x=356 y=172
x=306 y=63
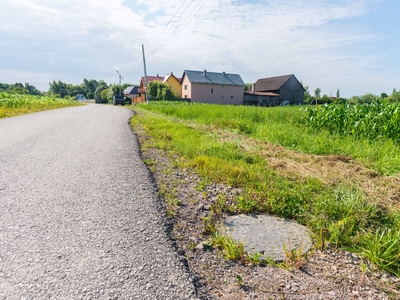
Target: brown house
x=273 y=91
x=212 y=87
x=142 y=86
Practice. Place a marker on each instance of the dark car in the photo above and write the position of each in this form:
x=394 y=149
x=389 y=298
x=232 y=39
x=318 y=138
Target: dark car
x=119 y=99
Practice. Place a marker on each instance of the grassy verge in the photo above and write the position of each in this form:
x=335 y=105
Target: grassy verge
x=14 y=105
x=223 y=149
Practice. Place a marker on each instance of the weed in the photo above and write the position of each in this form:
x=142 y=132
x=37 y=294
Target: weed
x=255 y=258
x=191 y=246
x=364 y=269
x=239 y=280
x=382 y=249
x=232 y=250
x=293 y=257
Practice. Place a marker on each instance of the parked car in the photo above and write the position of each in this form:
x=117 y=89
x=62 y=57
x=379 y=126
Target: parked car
x=119 y=99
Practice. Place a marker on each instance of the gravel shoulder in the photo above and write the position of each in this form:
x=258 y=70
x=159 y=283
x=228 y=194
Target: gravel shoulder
x=79 y=215
x=329 y=274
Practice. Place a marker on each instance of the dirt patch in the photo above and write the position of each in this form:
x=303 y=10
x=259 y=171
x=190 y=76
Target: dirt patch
x=321 y=275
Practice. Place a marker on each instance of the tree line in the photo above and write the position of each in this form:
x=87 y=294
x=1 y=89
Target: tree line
x=90 y=88
x=100 y=90
x=368 y=98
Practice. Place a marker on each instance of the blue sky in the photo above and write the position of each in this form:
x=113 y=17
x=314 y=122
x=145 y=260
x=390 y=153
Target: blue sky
x=348 y=45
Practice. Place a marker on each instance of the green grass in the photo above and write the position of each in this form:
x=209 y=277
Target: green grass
x=19 y=104
x=337 y=214
x=288 y=127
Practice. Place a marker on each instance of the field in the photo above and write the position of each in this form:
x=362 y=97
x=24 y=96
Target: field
x=17 y=104
x=341 y=184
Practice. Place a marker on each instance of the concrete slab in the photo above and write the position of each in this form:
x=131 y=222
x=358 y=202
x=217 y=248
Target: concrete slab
x=268 y=234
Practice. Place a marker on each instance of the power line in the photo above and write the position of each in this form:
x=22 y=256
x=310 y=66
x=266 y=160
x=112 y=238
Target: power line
x=174 y=25
x=167 y=24
x=181 y=28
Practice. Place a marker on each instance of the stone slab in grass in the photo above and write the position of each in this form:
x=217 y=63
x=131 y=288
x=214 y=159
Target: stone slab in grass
x=268 y=234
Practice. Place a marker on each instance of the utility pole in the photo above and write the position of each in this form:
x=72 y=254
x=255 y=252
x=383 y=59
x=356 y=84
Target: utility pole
x=145 y=75
x=119 y=75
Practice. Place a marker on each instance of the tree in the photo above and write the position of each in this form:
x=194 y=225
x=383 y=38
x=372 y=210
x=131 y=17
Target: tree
x=307 y=95
x=317 y=93
x=248 y=87
x=337 y=94
x=161 y=91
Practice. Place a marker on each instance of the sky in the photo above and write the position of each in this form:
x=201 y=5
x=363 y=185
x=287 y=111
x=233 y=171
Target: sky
x=350 y=45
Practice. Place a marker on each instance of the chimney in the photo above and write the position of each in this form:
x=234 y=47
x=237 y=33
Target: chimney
x=253 y=88
x=172 y=73
x=223 y=73
x=205 y=72
x=157 y=75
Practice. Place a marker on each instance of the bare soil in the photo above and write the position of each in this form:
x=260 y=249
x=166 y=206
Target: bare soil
x=329 y=274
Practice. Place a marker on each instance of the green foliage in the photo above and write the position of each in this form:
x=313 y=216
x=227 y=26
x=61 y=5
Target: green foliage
x=12 y=104
x=317 y=93
x=382 y=249
x=19 y=88
x=248 y=86
x=160 y=91
x=232 y=250
x=373 y=121
x=343 y=216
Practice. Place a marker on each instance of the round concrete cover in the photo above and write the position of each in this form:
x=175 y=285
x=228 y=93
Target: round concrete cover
x=267 y=235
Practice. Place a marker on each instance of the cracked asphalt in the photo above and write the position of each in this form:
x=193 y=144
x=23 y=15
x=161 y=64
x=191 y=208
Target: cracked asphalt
x=79 y=215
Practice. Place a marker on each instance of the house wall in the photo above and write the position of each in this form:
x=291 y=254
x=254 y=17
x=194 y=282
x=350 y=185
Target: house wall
x=175 y=85
x=212 y=93
x=292 y=91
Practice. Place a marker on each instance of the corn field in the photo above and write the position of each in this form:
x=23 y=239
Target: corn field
x=371 y=121
x=21 y=100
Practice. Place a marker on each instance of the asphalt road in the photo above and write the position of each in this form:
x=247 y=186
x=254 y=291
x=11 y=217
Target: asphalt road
x=79 y=215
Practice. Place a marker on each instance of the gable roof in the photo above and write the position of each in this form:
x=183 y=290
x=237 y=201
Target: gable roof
x=150 y=79
x=271 y=83
x=213 y=78
x=131 y=90
x=166 y=78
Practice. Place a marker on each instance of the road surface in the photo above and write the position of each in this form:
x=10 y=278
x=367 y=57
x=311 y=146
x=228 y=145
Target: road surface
x=79 y=215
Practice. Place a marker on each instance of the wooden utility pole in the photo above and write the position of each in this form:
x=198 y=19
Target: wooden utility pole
x=145 y=75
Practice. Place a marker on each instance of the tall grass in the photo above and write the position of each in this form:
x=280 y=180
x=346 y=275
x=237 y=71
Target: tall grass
x=371 y=121
x=340 y=215
x=290 y=127
x=17 y=104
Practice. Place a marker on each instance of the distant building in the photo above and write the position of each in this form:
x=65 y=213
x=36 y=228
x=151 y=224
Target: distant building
x=80 y=97
x=131 y=92
x=212 y=87
x=174 y=83
x=273 y=91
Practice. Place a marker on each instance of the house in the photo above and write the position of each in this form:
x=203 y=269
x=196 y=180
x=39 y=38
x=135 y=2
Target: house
x=80 y=97
x=212 y=87
x=273 y=91
x=174 y=83
x=131 y=92
x=142 y=86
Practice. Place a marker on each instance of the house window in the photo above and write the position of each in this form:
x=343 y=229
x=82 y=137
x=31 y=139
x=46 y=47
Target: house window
x=222 y=86
x=231 y=97
x=222 y=96
x=185 y=87
x=212 y=91
x=185 y=96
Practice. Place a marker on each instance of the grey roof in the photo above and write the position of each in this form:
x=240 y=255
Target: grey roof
x=131 y=90
x=213 y=78
x=271 y=83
